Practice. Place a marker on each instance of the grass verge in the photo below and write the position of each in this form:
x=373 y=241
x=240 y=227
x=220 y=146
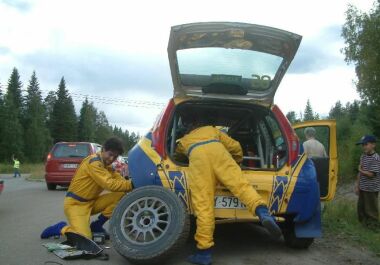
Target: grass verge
x=36 y=171
x=340 y=219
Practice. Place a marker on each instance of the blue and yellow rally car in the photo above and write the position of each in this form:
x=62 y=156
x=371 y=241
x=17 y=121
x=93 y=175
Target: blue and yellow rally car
x=229 y=73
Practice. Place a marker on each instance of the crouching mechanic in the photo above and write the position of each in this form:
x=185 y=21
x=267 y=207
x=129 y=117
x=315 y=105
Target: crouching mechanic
x=214 y=157
x=83 y=199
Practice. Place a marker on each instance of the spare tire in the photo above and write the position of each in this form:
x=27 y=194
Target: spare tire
x=149 y=224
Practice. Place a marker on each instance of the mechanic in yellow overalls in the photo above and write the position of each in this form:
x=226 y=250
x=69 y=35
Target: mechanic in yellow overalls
x=215 y=157
x=83 y=199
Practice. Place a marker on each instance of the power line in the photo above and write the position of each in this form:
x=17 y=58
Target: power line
x=125 y=102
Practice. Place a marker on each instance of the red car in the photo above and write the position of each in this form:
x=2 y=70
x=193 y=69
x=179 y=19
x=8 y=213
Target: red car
x=63 y=160
x=121 y=165
x=1 y=185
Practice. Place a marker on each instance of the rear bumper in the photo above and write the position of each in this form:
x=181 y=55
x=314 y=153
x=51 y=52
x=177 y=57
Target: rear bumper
x=60 y=178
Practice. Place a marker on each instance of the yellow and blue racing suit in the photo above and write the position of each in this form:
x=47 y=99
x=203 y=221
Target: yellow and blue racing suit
x=213 y=157
x=83 y=198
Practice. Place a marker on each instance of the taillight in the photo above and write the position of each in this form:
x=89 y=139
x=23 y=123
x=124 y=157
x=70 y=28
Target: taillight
x=290 y=135
x=48 y=157
x=159 y=130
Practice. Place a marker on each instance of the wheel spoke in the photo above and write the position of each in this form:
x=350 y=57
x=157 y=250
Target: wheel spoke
x=133 y=230
x=160 y=207
x=129 y=225
x=153 y=203
x=135 y=208
x=138 y=235
x=152 y=234
x=159 y=229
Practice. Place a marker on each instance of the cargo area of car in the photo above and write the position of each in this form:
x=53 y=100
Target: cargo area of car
x=252 y=125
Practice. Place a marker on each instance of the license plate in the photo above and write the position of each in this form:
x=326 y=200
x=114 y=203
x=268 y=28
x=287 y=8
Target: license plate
x=228 y=202
x=70 y=165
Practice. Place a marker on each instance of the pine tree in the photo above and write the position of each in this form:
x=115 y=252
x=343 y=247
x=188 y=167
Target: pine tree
x=103 y=129
x=1 y=95
x=14 y=87
x=36 y=131
x=87 y=122
x=11 y=141
x=63 y=121
x=1 y=120
x=353 y=110
x=308 y=114
x=49 y=102
x=292 y=117
x=133 y=139
x=337 y=111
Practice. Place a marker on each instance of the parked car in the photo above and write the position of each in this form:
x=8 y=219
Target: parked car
x=228 y=72
x=121 y=165
x=63 y=160
x=1 y=185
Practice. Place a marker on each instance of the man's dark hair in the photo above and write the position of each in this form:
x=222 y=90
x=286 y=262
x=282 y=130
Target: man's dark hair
x=114 y=144
x=196 y=118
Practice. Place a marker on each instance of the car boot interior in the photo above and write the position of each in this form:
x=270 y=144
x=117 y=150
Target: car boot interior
x=253 y=126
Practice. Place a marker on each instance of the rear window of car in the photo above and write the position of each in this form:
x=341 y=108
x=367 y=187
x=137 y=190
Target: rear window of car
x=71 y=150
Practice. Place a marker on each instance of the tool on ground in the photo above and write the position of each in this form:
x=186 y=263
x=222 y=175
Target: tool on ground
x=99 y=238
x=77 y=247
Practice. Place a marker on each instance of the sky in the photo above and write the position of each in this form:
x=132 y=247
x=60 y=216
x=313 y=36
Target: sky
x=115 y=51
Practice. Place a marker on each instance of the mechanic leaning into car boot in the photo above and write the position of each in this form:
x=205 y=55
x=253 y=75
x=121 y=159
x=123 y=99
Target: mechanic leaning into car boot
x=83 y=198
x=215 y=157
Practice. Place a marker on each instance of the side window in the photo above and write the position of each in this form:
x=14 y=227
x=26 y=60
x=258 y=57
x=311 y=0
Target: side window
x=98 y=148
x=177 y=130
x=268 y=150
x=280 y=149
x=314 y=140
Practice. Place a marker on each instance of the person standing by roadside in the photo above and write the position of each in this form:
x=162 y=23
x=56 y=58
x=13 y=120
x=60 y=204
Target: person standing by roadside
x=16 y=167
x=368 y=183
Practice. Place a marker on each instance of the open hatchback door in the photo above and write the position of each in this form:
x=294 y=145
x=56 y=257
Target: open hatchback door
x=327 y=165
x=230 y=60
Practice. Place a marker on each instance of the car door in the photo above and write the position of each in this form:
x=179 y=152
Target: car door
x=326 y=165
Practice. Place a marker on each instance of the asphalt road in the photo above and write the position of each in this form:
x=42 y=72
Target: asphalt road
x=26 y=208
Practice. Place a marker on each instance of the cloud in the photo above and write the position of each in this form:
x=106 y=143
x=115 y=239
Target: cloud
x=23 y=6
x=95 y=70
x=320 y=52
x=4 y=50
x=105 y=75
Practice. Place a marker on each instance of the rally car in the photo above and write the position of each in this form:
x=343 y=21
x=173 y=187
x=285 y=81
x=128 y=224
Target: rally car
x=229 y=72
